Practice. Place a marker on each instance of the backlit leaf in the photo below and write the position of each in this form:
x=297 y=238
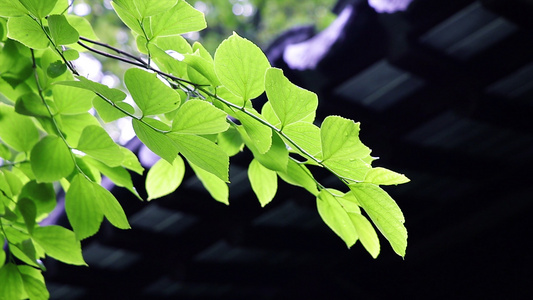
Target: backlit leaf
x=110 y=207
x=118 y=175
x=260 y=136
x=181 y=18
x=35 y=288
x=70 y=100
x=199 y=117
x=366 y=233
x=164 y=178
x=108 y=112
x=112 y=94
x=148 y=8
x=299 y=175
x=336 y=217
x=290 y=102
x=59 y=243
x=231 y=141
x=28 y=210
x=382 y=176
x=61 y=31
x=43 y=196
x=240 y=66
x=340 y=139
x=202 y=66
x=158 y=142
x=151 y=94
x=96 y=142
x=16 y=130
x=306 y=135
x=10 y=8
x=73 y=125
x=129 y=14
x=276 y=158
x=12 y=285
x=217 y=188
x=51 y=159
x=82 y=207
x=384 y=212
x=25 y=30
x=39 y=8
x=264 y=182
x=203 y=153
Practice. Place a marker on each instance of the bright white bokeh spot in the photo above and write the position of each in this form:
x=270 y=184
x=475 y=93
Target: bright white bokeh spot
x=89 y=67
x=82 y=9
x=193 y=36
x=110 y=80
x=238 y=9
x=122 y=36
x=201 y=6
x=126 y=130
x=248 y=10
x=389 y=6
x=107 y=4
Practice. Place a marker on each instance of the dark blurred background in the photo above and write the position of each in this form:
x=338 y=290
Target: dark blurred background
x=444 y=92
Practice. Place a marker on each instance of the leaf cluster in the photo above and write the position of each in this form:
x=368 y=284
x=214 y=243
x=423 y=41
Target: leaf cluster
x=196 y=109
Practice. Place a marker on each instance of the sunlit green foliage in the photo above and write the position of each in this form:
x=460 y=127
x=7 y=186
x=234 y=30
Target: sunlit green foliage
x=196 y=110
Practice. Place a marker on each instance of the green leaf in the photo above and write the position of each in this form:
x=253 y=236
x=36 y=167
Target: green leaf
x=26 y=30
x=82 y=207
x=113 y=95
x=305 y=135
x=16 y=130
x=231 y=141
x=25 y=251
x=199 y=117
x=128 y=13
x=336 y=217
x=110 y=207
x=298 y=174
x=5 y=153
x=96 y=142
x=148 y=8
x=51 y=159
x=290 y=102
x=10 y=8
x=158 y=142
x=259 y=135
x=59 y=243
x=39 y=8
x=61 y=31
x=203 y=153
x=73 y=125
x=118 y=175
x=33 y=284
x=71 y=100
x=28 y=210
x=164 y=178
x=83 y=27
x=151 y=94
x=240 y=66
x=384 y=212
x=276 y=158
x=110 y=113
x=131 y=161
x=264 y=182
x=71 y=54
x=217 y=188
x=340 y=139
x=181 y=18
x=56 y=69
x=12 y=285
x=43 y=196
x=366 y=233
x=382 y=176
x=342 y=150
x=203 y=67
